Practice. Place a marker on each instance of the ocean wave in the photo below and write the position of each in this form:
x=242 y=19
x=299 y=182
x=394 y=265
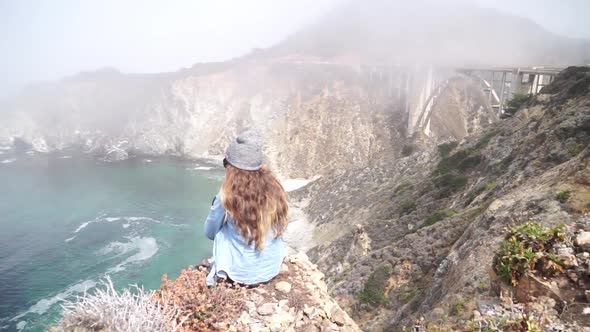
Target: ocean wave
x=65 y=157
x=199 y=168
x=142 y=247
x=141 y=218
x=109 y=220
x=5 y=147
x=45 y=304
x=8 y=161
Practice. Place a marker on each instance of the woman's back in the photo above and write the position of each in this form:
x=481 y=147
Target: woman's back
x=247 y=217
x=234 y=258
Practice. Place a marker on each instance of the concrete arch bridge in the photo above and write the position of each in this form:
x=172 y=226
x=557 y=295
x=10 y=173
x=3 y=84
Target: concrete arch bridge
x=421 y=88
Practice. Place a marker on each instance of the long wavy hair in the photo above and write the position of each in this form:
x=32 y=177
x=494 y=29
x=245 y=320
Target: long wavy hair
x=256 y=201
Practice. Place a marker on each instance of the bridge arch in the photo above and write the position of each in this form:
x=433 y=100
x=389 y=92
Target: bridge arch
x=422 y=125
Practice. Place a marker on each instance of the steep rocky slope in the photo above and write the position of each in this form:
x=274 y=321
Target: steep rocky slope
x=416 y=237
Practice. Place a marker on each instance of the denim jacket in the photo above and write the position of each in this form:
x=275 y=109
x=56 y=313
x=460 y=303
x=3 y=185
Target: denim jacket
x=233 y=257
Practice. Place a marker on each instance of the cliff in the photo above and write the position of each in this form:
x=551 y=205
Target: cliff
x=417 y=239
x=315 y=117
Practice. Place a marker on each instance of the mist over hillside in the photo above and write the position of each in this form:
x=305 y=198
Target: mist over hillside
x=431 y=32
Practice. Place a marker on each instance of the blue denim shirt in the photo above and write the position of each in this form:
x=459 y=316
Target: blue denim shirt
x=233 y=257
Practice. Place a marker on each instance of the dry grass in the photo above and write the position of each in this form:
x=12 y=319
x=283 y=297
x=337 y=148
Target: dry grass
x=206 y=308
x=105 y=309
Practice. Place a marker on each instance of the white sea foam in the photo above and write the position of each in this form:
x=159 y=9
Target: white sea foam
x=147 y=160
x=126 y=225
x=141 y=218
x=8 y=161
x=43 y=305
x=81 y=227
x=5 y=147
x=30 y=152
x=21 y=325
x=65 y=157
x=202 y=168
x=142 y=247
x=109 y=220
x=1 y=152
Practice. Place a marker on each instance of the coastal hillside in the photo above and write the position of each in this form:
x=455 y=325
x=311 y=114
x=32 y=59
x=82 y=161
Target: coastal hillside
x=421 y=239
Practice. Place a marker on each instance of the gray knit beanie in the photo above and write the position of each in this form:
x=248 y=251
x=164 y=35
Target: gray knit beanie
x=245 y=152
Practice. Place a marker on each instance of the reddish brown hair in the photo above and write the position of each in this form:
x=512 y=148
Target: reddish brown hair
x=256 y=201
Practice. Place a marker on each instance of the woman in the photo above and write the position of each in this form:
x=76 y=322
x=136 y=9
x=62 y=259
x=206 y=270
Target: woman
x=247 y=217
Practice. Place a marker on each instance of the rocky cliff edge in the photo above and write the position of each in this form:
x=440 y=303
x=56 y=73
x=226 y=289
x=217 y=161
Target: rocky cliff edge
x=295 y=300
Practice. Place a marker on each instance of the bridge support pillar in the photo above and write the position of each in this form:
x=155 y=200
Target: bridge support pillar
x=502 y=88
x=516 y=83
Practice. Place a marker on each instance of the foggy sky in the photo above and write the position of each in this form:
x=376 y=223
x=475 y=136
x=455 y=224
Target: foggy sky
x=46 y=40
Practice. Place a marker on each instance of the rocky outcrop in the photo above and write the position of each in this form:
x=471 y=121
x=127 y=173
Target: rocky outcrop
x=296 y=300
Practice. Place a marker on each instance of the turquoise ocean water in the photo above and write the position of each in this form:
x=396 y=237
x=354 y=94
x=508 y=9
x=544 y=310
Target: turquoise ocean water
x=67 y=220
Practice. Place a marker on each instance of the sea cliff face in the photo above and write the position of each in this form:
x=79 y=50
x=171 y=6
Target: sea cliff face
x=315 y=117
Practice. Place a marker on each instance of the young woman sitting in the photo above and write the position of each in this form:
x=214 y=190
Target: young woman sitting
x=247 y=217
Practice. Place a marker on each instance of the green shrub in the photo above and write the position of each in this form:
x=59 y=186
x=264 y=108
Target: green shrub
x=479 y=190
x=437 y=216
x=486 y=138
x=450 y=183
x=503 y=165
x=409 y=293
x=407 y=207
x=403 y=187
x=373 y=292
x=445 y=149
x=459 y=161
x=470 y=162
x=491 y=185
x=458 y=307
x=408 y=149
x=575 y=149
x=516 y=102
x=519 y=251
x=563 y=196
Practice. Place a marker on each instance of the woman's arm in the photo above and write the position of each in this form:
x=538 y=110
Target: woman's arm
x=214 y=219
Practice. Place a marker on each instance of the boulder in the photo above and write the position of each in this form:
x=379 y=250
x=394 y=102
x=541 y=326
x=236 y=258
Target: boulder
x=283 y=286
x=531 y=286
x=583 y=240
